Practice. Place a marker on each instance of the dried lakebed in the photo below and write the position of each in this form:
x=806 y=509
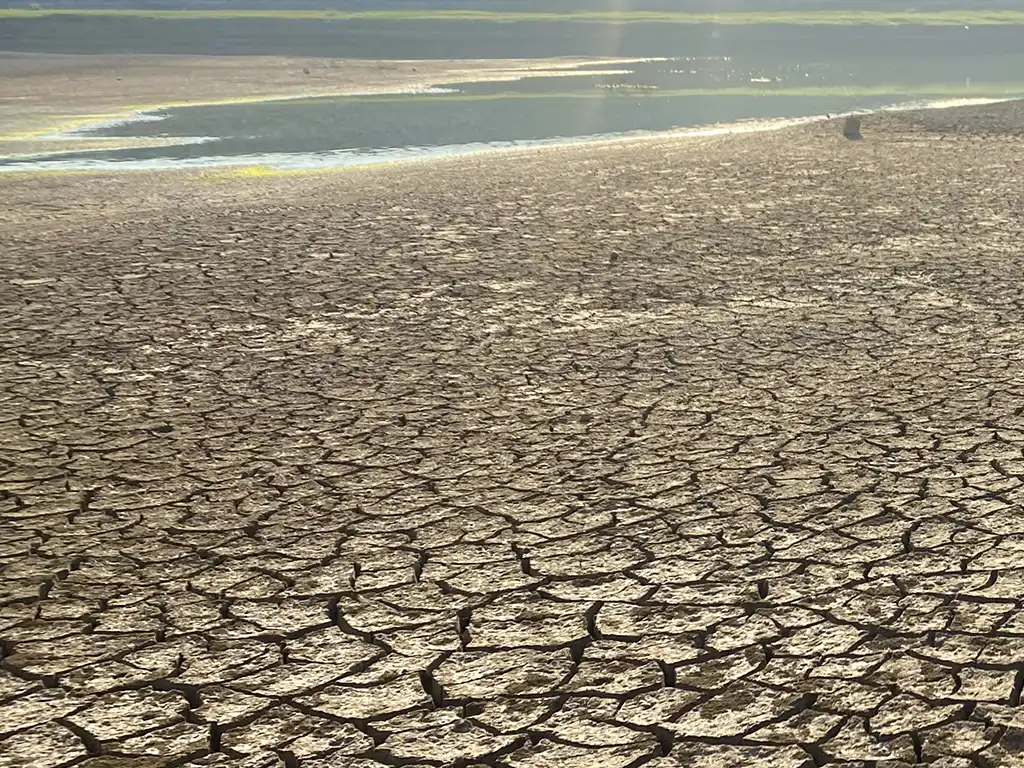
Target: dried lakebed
x=680 y=453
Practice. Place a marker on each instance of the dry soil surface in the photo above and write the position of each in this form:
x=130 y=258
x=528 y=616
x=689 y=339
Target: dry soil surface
x=679 y=453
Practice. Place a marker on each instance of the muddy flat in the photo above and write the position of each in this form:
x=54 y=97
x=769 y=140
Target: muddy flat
x=702 y=452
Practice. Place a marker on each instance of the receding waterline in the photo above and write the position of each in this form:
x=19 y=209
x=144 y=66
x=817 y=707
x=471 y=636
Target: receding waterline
x=349 y=158
x=354 y=158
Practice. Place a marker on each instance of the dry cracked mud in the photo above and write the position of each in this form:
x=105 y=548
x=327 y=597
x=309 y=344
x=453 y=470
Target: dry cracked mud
x=676 y=453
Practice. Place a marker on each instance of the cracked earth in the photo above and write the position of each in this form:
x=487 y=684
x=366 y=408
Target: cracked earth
x=678 y=453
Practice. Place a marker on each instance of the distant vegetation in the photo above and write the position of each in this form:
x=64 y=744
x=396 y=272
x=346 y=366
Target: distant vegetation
x=813 y=17
x=523 y=6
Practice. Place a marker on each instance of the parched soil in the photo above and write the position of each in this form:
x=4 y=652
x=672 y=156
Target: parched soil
x=676 y=453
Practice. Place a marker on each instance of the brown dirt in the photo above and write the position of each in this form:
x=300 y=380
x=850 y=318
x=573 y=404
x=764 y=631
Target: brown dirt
x=677 y=453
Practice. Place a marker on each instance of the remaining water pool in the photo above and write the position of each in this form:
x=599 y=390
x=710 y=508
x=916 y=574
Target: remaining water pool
x=678 y=93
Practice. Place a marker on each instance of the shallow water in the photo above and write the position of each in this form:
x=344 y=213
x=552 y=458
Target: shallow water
x=683 y=92
x=456 y=39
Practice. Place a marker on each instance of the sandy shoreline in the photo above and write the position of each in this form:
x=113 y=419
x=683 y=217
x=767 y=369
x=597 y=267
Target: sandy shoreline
x=702 y=452
x=98 y=194
x=47 y=95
